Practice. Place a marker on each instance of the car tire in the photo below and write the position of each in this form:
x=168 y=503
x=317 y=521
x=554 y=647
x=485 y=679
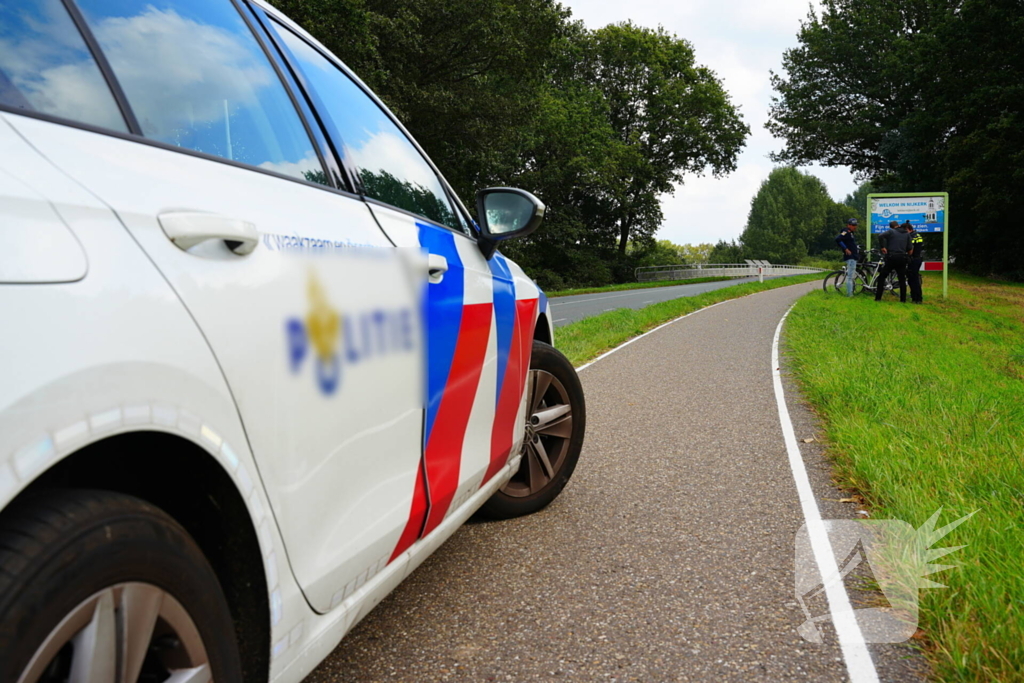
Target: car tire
x=101 y=582
x=556 y=424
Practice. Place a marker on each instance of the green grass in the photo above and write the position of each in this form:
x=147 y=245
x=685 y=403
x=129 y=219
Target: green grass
x=585 y=339
x=634 y=285
x=924 y=407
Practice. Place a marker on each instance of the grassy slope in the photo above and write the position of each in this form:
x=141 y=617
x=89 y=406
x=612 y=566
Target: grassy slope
x=583 y=340
x=924 y=407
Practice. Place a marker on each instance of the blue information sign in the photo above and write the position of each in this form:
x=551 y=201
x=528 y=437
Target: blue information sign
x=925 y=213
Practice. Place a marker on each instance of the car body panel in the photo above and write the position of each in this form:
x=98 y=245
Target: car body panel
x=319 y=394
x=112 y=353
x=326 y=371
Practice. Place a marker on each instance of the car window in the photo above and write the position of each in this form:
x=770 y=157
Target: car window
x=46 y=67
x=196 y=78
x=391 y=169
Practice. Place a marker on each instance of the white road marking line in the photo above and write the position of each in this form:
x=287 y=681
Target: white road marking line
x=851 y=640
x=630 y=341
x=649 y=301
x=608 y=309
x=560 y=320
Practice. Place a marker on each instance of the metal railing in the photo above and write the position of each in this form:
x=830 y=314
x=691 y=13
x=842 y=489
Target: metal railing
x=690 y=271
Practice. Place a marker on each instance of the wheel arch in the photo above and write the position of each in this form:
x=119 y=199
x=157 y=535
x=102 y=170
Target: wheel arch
x=201 y=496
x=542 y=332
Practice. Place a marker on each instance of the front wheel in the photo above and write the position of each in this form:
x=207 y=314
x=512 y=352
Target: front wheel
x=840 y=282
x=100 y=586
x=556 y=420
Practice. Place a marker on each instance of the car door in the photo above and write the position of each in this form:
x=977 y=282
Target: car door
x=478 y=324
x=311 y=313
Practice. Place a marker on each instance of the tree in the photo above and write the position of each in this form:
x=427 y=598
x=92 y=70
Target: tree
x=672 y=117
x=726 y=252
x=568 y=156
x=917 y=96
x=856 y=87
x=787 y=215
x=660 y=253
x=697 y=253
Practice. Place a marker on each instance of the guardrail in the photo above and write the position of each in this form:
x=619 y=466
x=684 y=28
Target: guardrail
x=696 y=270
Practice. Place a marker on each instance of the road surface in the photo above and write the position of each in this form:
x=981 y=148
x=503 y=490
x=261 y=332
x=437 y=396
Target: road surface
x=670 y=554
x=567 y=309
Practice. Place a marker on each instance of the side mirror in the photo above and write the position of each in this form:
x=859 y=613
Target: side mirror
x=505 y=212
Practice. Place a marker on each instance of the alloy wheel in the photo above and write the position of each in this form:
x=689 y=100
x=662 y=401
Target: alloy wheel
x=547 y=438
x=127 y=633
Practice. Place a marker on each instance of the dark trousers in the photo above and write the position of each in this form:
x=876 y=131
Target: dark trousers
x=914 y=279
x=897 y=262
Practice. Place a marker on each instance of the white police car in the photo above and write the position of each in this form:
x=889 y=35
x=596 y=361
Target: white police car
x=233 y=415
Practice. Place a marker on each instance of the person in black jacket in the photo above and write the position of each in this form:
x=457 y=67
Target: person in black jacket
x=895 y=243
x=848 y=244
x=914 y=260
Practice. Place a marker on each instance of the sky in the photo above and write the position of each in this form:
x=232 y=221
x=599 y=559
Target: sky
x=741 y=40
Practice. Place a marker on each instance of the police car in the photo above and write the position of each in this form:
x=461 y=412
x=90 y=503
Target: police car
x=258 y=361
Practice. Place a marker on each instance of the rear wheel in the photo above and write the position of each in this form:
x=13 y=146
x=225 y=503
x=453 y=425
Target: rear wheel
x=100 y=586
x=556 y=419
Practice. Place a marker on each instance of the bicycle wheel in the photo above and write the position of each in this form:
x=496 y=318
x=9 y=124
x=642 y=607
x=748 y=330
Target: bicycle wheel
x=859 y=283
x=892 y=284
x=840 y=282
x=829 y=282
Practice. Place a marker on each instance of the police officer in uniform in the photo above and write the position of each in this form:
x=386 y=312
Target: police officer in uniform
x=914 y=261
x=848 y=244
x=895 y=243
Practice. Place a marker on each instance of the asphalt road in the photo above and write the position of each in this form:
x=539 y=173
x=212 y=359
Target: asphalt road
x=567 y=309
x=668 y=557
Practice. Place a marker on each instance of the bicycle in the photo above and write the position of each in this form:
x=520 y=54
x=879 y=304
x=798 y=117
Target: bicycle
x=865 y=276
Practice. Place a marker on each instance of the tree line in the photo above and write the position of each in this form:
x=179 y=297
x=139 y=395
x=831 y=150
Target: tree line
x=597 y=123
x=917 y=96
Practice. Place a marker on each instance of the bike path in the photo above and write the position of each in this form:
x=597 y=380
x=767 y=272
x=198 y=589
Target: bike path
x=669 y=556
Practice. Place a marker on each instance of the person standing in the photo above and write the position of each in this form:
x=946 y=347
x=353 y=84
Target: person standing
x=848 y=243
x=895 y=243
x=914 y=261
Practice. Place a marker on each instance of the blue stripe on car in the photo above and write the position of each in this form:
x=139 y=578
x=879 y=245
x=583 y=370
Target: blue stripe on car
x=442 y=315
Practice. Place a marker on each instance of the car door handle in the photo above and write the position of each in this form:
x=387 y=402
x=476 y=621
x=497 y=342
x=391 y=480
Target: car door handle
x=186 y=229
x=437 y=266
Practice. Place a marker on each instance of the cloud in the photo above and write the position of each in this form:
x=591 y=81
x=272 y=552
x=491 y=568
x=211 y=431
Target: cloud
x=172 y=88
x=385 y=150
x=298 y=169
x=49 y=65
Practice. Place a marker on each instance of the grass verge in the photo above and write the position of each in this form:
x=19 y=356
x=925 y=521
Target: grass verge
x=583 y=340
x=924 y=407
x=634 y=285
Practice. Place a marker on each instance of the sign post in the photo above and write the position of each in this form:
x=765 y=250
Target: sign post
x=926 y=211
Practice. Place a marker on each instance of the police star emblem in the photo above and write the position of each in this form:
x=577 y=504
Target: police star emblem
x=323 y=322
x=320 y=329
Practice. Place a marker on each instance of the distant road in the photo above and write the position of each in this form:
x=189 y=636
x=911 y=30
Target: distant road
x=567 y=309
